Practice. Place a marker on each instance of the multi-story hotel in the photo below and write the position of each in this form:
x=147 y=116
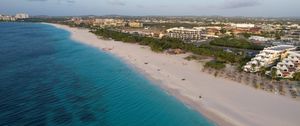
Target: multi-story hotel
x=22 y=16
x=196 y=33
x=260 y=38
x=267 y=57
x=242 y=25
x=135 y=24
x=7 y=18
x=109 y=22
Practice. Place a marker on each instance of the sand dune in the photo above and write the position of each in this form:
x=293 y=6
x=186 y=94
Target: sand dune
x=224 y=101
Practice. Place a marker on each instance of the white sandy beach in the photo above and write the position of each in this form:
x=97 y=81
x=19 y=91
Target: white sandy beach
x=225 y=102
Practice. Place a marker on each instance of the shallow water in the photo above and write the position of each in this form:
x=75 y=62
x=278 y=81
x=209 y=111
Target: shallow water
x=48 y=79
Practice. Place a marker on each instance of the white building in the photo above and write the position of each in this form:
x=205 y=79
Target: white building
x=110 y=22
x=186 y=33
x=260 y=38
x=289 y=65
x=135 y=24
x=21 y=16
x=267 y=57
x=7 y=18
x=242 y=25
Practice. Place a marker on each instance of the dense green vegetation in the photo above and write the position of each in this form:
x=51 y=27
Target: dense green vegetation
x=6 y=21
x=159 y=45
x=246 y=35
x=297 y=76
x=218 y=65
x=235 y=43
x=191 y=57
x=276 y=34
x=50 y=20
x=243 y=62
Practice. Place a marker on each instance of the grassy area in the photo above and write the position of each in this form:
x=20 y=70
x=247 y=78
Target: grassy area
x=218 y=65
x=195 y=57
x=235 y=43
x=191 y=57
x=159 y=45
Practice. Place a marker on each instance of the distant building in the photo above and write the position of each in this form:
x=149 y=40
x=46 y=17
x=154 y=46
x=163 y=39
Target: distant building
x=135 y=24
x=255 y=30
x=291 y=35
x=7 y=18
x=239 y=31
x=161 y=35
x=260 y=38
x=242 y=25
x=196 y=33
x=212 y=31
x=294 y=26
x=109 y=22
x=21 y=16
x=267 y=27
x=185 y=33
x=76 y=20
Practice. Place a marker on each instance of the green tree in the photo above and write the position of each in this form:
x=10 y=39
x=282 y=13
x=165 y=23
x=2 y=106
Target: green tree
x=253 y=66
x=273 y=73
x=297 y=76
x=223 y=30
x=159 y=45
x=246 y=35
x=218 y=65
x=235 y=43
x=262 y=70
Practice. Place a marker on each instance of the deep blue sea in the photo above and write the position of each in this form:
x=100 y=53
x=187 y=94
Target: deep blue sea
x=47 y=79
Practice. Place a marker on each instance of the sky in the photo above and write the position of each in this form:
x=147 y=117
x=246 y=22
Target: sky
x=252 y=8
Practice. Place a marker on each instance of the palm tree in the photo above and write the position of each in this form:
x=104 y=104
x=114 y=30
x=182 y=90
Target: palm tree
x=253 y=66
x=297 y=76
x=273 y=73
x=262 y=71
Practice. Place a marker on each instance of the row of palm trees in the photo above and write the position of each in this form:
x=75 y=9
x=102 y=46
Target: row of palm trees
x=255 y=80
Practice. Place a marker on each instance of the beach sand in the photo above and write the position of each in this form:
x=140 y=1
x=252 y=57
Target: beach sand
x=223 y=101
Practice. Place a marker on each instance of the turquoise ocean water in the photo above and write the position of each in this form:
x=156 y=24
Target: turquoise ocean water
x=47 y=79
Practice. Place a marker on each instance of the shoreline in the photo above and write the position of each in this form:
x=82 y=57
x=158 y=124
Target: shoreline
x=224 y=102
x=215 y=119
x=212 y=117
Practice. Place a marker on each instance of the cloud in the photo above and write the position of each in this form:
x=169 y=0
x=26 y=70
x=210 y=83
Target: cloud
x=140 y=6
x=233 y=4
x=37 y=0
x=68 y=1
x=116 y=2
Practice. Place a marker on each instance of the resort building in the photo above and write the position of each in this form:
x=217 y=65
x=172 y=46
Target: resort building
x=109 y=22
x=261 y=39
x=267 y=58
x=135 y=24
x=196 y=33
x=7 y=18
x=21 y=16
x=289 y=65
x=185 y=33
x=242 y=25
